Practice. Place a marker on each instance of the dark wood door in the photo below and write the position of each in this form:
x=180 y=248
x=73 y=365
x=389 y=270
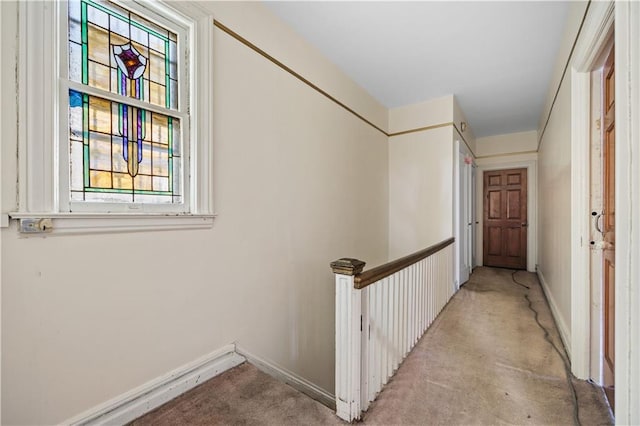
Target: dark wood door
x=609 y=227
x=505 y=218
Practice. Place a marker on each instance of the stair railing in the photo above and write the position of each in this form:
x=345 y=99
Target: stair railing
x=380 y=315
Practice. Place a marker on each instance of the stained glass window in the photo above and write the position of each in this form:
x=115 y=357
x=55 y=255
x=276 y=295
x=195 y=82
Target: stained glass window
x=124 y=128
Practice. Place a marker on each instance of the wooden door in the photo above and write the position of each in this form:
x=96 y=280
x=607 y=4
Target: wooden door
x=505 y=218
x=609 y=225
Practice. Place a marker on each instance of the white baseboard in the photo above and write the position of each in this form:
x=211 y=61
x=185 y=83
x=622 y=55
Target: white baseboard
x=133 y=404
x=292 y=379
x=562 y=325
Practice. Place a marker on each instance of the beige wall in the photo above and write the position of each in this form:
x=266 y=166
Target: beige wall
x=574 y=20
x=428 y=113
x=260 y=26
x=554 y=185
x=511 y=143
x=467 y=135
x=299 y=182
x=420 y=177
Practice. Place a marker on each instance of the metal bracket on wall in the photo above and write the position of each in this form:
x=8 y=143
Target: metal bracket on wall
x=36 y=225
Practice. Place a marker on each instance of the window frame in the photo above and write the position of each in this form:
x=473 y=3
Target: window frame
x=184 y=33
x=44 y=178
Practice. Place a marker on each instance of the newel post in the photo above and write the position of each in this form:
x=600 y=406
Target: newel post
x=348 y=338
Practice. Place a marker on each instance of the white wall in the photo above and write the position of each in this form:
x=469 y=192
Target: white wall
x=510 y=143
x=299 y=182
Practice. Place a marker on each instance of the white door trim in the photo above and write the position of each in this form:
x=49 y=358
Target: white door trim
x=503 y=163
x=627 y=350
x=456 y=213
x=460 y=151
x=597 y=29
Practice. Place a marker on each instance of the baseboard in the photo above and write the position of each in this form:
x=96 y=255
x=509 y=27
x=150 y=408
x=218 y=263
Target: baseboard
x=560 y=323
x=292 y=379
x=139 y=401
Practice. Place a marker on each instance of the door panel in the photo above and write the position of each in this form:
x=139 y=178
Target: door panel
x=513 y=204
x=494 y=237
x=513 y=242
x=495 y=203
x=505 y=218
x=609 y=214
x=513 y=179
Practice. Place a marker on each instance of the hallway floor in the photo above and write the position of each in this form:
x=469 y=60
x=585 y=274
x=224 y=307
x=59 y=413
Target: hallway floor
x=485 y=360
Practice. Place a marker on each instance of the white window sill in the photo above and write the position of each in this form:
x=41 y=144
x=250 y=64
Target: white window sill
x=92 y=223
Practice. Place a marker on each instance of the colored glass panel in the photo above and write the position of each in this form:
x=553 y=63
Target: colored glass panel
x=97 y=26
x=121 y=152
x=108 y=159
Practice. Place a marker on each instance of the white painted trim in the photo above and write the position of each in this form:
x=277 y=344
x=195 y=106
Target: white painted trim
x=627 y=181
x=203 y=99
x=133 y=404
x=4 y=219
x=348 y=320
x=580 y=253
x=456 y=212
x=596 y=32
x=36 y=105
x=88 y=223
x=282 y=374
x=502 y=163
x=461 y=232
x=560 y=323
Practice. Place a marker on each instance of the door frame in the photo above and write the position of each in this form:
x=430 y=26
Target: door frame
x=460 y=150
x=504 y=163
x=598 y=25
x=598 y=31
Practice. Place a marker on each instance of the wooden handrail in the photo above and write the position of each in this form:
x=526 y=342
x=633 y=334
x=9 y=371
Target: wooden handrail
x=369 y=277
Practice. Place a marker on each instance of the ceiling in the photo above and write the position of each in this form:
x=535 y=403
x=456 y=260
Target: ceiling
x=495 y=57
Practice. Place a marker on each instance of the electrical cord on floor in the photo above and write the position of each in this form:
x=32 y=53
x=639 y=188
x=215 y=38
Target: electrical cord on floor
x=547 y=337
x=513 y=277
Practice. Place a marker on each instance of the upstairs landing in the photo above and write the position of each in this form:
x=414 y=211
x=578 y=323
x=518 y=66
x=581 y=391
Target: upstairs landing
x=485 y=360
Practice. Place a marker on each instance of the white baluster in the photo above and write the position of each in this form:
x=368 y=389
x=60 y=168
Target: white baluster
x=365 y=381
x=397 y=315
x=379 y=333
x=389 y=339
x=384 y=350
x=373 y=341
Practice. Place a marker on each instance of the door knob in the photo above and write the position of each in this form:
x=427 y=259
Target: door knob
x=524 y=225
